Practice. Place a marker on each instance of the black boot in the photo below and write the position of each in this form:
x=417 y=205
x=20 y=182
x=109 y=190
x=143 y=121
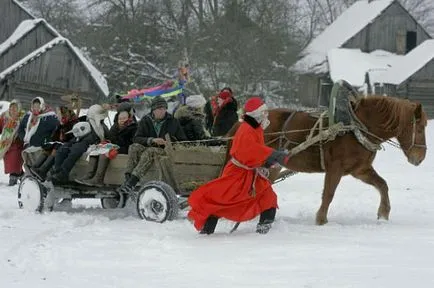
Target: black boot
x=41 y=172
x=210 y=225
x=14 y=178
x=128 y=187
x=265 y=221
x=60 y=177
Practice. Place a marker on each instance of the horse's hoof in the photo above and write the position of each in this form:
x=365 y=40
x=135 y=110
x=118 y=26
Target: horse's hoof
x=321 y=221
x=383 y=217
x=383 y=214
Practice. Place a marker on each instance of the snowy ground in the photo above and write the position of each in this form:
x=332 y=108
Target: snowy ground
x=90 y=247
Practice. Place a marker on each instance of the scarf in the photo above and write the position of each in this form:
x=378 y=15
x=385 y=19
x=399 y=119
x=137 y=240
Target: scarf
x=217 y=108
x=33 y=122
x=9 y=130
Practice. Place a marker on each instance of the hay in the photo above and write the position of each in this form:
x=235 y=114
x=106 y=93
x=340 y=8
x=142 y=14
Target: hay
x=190 y=186
x=199 y=148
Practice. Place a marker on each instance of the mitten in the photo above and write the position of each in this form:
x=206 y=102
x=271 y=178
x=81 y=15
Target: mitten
x=277 y=156
x=112 y=154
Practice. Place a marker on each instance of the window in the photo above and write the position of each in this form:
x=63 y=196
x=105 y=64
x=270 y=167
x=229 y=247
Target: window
x=411 y=41
x=325 y=91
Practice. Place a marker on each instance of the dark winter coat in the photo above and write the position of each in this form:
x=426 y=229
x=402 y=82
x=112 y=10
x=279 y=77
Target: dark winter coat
x=225 y=119
x=209 y=117
x=146 y=130
x=192 y=122
x=68 y=154
x=123 y=137
x=60 y=133
x=44 y=132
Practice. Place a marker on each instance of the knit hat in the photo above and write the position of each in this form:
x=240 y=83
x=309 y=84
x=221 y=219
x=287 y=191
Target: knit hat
x=158 y=102
x=225 y=93
x=195 y=101
x=124 y=106
x=255 y=107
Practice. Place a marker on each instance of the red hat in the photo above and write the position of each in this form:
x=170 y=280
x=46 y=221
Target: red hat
x=225 y=94
x=254 y=106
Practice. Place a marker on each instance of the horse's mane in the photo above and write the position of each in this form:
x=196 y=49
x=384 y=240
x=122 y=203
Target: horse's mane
x=394 y=114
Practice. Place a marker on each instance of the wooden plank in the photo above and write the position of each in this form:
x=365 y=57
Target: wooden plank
x=191 y=172
x=206 y=157
x=182 y=172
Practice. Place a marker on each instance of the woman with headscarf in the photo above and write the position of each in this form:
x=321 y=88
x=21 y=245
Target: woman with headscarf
x=91 y=132
x=38 y=124
x=45 y=161
x=192 y=118
x=224 y=111
x=10 y=145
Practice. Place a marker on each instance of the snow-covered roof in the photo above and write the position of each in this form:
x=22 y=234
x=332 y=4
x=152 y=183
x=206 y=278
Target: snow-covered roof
x=408 y=65
x=38 y=52
x=23 y=8
x=352 y=64
x=25 y=27
x=28 y=25
x=347 y=25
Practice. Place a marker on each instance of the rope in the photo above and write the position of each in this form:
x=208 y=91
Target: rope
x=241 y=165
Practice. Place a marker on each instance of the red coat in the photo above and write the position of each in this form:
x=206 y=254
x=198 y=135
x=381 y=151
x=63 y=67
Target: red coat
x=230 y=196
x=12 y=159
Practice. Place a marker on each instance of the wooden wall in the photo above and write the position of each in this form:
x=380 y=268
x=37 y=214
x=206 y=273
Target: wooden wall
x=11 y=15
x=55 y=73
x=384 y=31
x=26 y=45
x=308 y=90
x=420 y=87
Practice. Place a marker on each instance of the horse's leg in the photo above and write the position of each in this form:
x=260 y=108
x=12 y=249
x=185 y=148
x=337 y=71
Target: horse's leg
x=370 y=176
x=331 y=181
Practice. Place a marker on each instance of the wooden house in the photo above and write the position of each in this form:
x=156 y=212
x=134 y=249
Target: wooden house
x=369 y=26
x=411 y=78
x=12 y=13
x=35 y=60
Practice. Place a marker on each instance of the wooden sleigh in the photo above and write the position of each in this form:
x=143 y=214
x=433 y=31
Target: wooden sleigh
x=159 y=196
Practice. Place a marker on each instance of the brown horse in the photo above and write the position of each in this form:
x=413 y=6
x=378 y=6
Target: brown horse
x=383 y=117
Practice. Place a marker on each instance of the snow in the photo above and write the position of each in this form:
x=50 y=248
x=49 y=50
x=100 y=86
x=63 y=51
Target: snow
x=4 y=106
x=348 y=24
x=89 y=247
x=23 y=8
x=341 y=59
x=415 y=60
x=22 y=29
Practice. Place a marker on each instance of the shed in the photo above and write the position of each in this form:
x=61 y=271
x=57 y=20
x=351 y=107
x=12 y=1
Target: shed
x=35 y=60
x=412 y=77
x=366 y=25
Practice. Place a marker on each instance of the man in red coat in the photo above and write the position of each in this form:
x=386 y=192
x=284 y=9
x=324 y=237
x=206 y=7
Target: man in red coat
x=243 y=191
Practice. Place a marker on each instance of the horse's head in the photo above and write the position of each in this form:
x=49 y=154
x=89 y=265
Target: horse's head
x=412 y=135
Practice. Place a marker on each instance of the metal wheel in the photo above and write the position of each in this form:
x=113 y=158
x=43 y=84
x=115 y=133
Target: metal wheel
x=112 y=203
x=31 y=194
x=157 y=202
